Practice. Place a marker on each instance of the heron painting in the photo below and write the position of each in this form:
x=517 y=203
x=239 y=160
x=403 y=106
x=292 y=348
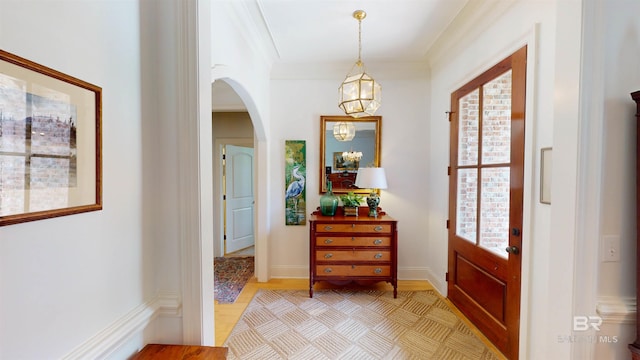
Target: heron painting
x=295 y=186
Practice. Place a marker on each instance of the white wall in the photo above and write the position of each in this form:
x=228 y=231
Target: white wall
x=619 y=38
x=296 y=116
x=102 y=284
x=64 y=279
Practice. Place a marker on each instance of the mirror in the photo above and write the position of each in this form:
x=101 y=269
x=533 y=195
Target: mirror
x=341 y=172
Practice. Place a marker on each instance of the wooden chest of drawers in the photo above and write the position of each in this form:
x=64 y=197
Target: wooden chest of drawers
x=358 y=249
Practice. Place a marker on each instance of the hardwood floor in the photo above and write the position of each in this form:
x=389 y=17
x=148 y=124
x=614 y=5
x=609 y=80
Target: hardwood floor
x=227 y=315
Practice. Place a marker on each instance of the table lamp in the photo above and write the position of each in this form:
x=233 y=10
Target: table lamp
x=374 y=179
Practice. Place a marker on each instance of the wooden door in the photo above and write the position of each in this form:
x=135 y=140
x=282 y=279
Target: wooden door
x=485 y=200
x=239 y=199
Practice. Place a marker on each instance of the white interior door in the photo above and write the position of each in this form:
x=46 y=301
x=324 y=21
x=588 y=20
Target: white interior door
x=239 y=203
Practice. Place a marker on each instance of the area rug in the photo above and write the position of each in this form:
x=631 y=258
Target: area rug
x=346 y=324
x=230 y=276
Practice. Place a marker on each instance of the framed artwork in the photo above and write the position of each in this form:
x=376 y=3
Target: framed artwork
x=545 y=175
x=342 y=164
x=50 y=142
x=295 y=174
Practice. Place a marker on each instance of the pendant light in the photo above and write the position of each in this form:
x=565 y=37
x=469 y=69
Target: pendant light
x=359 y=93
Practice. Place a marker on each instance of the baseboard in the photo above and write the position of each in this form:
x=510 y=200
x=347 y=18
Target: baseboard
x=289 y=272
x=437 y=281
x=412 y=273
x=617 y=310
x=110 y=339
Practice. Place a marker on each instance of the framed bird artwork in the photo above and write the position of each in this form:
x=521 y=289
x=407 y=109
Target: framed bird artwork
x=295 y=174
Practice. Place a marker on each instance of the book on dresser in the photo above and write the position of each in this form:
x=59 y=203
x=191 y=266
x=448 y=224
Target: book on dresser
x=346 y=249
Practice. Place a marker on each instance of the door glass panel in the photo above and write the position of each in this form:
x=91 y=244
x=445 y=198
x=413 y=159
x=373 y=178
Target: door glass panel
x=496 y=120
x=467 y=204
x=468 y=132
x=494 y=209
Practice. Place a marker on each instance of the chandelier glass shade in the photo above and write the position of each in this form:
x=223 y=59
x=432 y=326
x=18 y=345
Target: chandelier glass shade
x=359 y=94
x=344 y=131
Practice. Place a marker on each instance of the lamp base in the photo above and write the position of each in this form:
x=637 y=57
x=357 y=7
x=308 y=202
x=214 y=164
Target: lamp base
x=373 y=200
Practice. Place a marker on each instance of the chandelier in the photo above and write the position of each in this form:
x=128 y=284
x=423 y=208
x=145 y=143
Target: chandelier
x=352 y=156
x=359 y=93
x=344 y=131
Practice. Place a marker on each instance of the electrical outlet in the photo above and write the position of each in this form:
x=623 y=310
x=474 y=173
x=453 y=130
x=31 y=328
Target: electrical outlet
x=610 y=248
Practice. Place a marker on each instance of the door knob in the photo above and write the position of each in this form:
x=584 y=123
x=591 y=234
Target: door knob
x=512 y=250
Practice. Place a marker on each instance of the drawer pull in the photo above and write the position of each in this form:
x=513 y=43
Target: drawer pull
x=378 y=256
x=328 y=256
x=328 y=241
x=328 y=227
x=378 y=228
x=377 y=241
x=328 y=270
x=353 y=226
x=378 y=271
x=353 y=238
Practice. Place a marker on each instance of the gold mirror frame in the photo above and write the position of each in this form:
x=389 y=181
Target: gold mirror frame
x=371 y=156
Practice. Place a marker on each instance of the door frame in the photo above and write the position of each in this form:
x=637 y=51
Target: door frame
x=218 y=221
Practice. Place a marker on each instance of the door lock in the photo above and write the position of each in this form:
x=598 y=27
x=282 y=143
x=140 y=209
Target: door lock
x=512 y=250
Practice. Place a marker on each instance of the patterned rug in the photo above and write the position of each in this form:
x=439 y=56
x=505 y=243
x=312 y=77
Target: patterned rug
x=230 y=276
x=344 y=324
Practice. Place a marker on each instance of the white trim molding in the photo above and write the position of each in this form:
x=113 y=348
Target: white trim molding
x=617 y=310
x=111 y=338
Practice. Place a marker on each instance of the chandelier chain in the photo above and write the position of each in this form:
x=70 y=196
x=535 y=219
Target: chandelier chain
x=359 y=42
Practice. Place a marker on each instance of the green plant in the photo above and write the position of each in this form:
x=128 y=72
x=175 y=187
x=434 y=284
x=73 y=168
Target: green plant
x=351 y=199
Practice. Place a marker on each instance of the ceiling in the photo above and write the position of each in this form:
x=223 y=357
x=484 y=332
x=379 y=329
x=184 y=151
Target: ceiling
x=324 y=31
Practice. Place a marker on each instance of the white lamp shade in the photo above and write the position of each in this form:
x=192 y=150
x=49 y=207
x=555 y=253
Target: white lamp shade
x=371 y=178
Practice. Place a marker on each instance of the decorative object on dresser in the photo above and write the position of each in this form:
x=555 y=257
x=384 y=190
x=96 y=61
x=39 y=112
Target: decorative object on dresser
x=353 y=249
x=374 y=179
x=635 y=347
x=350 y=203
x=328 y=202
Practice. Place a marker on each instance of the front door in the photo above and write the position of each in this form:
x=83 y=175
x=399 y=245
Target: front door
x=239 y=199
x=485 y=200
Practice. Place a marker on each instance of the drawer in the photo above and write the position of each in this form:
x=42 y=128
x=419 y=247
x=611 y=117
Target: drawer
x=351 y=241
x=353 y=270
x=353 y=255
x=359 y=228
